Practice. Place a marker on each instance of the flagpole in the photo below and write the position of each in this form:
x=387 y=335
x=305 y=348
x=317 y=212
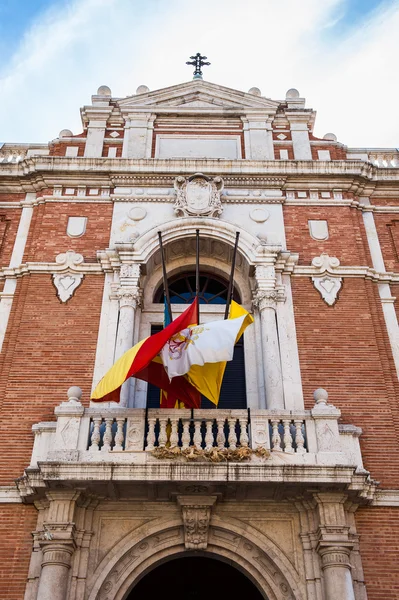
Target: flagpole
x=230 y=289
x=197 y=281
x=165 y=278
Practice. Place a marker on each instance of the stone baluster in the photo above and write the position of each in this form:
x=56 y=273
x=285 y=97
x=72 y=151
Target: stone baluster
x=197 y=435
x=95 y=436
x=163 y=436
x=232 y=439
x=299 y=439
x=244 y=439
x=209 y=435
x=287 y=436
x=107 y=440
x=220 y=437
x=185 y=438
x=151 y=434
x=276 y=440
x=174 y=435
x=265 y=301
x=119 y=436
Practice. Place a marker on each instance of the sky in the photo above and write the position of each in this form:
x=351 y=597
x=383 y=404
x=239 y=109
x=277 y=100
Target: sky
x=340 y=54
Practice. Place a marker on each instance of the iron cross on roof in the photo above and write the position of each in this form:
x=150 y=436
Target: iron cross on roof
x=198 y=61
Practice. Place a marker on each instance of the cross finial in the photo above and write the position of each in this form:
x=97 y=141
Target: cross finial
x=198 y=61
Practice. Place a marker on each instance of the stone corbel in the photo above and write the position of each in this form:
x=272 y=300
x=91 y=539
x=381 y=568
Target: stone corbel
x=196 y=513
x=69 y=280
x=328 y=286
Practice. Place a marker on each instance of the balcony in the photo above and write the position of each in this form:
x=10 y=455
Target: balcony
x=93 y=446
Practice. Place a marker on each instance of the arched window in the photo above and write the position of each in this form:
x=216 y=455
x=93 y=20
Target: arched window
x=213 y=290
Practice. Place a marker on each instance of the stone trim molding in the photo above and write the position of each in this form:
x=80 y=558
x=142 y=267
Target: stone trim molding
x=357 y=176
x=60 y=266
x=386 y=498
x=325 y=265
x=9 y=494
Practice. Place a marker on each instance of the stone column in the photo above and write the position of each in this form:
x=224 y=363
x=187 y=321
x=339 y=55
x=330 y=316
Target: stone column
x=56 y=564
x=336 y=569
x=57 y=543
x=334 y=546
x=129 y=296
x=265 y=300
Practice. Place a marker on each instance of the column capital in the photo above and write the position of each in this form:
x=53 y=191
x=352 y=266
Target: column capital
x=129 y=297
x=265 y=299
x=335 y=556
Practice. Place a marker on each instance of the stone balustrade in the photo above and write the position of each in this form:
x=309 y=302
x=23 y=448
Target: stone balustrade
x=120 y=435
x=383 y=159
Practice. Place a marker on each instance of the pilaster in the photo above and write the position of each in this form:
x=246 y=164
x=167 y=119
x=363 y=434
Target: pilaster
x=258 y=137
x=98 y=116
x=137 y=141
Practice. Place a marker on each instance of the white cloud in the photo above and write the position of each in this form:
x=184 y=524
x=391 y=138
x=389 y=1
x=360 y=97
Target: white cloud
x=272 y=44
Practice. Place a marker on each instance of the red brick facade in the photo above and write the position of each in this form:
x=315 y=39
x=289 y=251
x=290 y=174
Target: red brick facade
x=346 y=348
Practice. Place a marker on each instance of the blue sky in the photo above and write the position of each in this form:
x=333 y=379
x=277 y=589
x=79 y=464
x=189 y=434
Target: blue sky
x=340 y=54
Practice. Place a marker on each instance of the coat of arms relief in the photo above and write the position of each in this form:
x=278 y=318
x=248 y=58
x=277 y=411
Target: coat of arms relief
x=198 y=196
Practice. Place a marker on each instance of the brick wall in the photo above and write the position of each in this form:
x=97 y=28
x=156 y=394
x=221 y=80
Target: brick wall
x=345 y=226
x=344 y=348
x=47 y=236
x=379 y=548
x=16 y=524
x=49 y=346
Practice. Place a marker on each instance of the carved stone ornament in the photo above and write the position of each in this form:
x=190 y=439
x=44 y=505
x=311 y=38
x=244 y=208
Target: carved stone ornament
x=196 y=513
x=76 y=226
x=198 y=196
x=328 y=288
x=67 y=282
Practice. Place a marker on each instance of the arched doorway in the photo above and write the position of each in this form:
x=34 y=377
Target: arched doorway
x=194 y=578
x=212 y=292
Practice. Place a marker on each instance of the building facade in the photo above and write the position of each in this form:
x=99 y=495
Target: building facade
x=290 y=489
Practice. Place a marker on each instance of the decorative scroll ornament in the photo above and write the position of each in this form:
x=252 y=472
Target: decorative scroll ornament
x=198 y=196
x=327 y=285
x=69 y=280
x=196 y=513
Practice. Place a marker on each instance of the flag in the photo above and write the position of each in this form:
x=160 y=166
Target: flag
x=169 y=399
x=200 y=352
x=142 y=361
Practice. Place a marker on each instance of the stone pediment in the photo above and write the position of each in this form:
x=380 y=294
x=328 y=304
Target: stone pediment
x=197 y=95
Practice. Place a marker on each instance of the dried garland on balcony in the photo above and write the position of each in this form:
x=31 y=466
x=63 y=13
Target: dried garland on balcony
x=214 y=455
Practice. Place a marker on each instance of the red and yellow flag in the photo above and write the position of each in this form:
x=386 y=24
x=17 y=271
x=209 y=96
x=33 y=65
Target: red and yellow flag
x=142 y=361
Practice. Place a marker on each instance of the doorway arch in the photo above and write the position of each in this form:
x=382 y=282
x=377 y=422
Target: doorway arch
x=194 y=578
x=255 y=555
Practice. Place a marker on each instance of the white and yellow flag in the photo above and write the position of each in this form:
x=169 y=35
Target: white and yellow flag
x=200 y=352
